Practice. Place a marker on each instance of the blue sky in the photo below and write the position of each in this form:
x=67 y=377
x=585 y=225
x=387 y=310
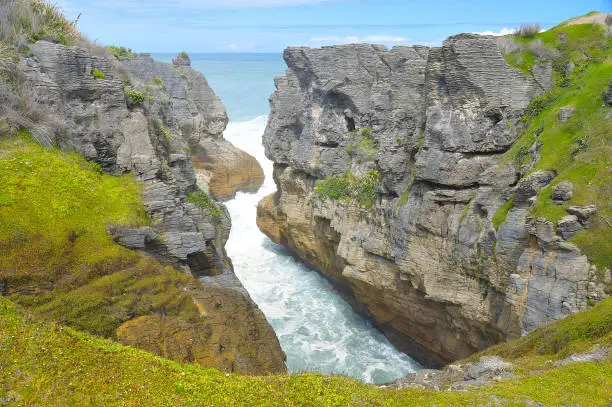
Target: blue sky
x=271 y=25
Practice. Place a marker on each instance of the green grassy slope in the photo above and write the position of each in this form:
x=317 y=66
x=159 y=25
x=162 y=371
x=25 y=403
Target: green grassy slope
x=47 y=364
x=580 y=149
x=56 y=256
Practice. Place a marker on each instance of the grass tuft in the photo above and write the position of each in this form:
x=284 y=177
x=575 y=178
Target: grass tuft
x=23 y=21
x=350 y=187
x=98 y=74
x=201 y=199
x=500 y=215
x=361 y=144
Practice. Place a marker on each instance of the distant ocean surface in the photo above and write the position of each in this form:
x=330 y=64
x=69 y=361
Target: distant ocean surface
x=244 y=82
x=316 y=327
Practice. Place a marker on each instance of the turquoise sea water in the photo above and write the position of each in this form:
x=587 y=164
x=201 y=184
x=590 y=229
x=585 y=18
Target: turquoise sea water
x=317 y=329
x=244 y=82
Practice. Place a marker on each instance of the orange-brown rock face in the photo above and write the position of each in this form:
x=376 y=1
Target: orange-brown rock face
x=219 y=337
x=226 y=169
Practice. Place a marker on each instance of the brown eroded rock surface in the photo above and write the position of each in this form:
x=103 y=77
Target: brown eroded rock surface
x=225 y=169
x=219 y=337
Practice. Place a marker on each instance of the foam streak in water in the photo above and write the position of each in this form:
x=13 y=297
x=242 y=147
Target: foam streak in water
x=317 y=329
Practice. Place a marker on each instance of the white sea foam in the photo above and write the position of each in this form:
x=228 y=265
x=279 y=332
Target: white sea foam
x=317 y=329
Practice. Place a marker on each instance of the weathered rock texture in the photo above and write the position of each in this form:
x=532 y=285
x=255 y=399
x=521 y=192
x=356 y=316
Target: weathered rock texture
x=457 y=377
x=425 y=261
x=181 y=98
x=231 y=333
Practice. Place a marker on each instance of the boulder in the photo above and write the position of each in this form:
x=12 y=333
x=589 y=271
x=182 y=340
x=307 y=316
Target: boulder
x=568 y=226
x=565 y=113
x=133 y=238
x=582 y=212
x=530 y=185
x=489 y=367
x=562 y=192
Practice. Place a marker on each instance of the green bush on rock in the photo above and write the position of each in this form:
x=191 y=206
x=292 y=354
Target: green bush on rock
x=98 y=74
x=133 y=97
x=361 y=189
x=201 y=199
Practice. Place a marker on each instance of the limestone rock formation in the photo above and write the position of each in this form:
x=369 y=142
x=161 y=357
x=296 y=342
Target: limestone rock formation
x=181 y=98
x=182 y=59
x=422 y=257
x=96 y=120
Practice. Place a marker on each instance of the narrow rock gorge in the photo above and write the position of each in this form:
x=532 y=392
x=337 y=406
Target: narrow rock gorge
x=393 y=180
x=154 y=120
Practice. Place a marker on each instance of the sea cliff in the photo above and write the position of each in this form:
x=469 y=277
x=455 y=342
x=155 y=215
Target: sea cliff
x=427 y=182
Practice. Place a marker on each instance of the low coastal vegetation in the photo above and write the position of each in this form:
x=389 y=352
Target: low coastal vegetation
x=48 y=364
x=23 y=21
x=133 y=97
x=58 y=260
x=98 y=74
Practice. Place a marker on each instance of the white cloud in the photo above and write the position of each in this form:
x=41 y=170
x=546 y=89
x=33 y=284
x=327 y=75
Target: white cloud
x=503 y=31
x=353 y=39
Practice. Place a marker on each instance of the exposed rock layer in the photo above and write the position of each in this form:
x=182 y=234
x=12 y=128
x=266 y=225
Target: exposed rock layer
x=425 y=260
x=182 y=99
x=231 y=332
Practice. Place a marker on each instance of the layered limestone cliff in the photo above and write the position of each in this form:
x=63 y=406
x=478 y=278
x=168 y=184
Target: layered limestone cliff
x=148 y=118
x=182 y=99
x=389 y=168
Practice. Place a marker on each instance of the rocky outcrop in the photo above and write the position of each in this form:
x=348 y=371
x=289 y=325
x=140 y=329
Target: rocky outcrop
x=458 y=377
x=181 y=98
x=154 y=141
x=231 y=339
x=226 y=170
x=424 y=258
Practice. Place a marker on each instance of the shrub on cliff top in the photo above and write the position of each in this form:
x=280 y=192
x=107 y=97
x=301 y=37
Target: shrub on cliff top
x=121 y=53
x=528 y=30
